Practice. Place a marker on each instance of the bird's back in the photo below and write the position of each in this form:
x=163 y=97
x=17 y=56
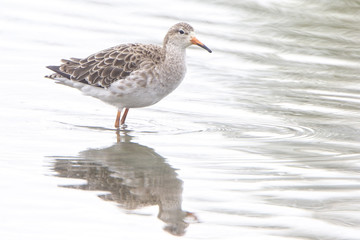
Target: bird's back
x=109 y=65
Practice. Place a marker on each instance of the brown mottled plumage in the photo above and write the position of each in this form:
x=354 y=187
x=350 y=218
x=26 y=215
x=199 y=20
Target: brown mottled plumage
x=109 y=65
x=131 y=75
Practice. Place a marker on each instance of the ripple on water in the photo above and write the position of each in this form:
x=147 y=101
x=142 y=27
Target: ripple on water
x=144 y=126
x=265 y=132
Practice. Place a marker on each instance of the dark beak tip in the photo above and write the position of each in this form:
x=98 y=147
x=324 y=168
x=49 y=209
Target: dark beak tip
x=205 y=47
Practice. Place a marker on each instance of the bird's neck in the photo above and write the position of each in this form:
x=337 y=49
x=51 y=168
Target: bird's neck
x=173 y=67
x=175 y=58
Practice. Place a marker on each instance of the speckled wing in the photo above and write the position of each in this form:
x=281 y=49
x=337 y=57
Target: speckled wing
x=112 y=64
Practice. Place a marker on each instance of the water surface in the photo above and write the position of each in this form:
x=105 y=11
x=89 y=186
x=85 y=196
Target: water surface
x=260 y=141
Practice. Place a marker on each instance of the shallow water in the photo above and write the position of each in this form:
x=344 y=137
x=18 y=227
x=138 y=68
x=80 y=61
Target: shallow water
x=260 y=141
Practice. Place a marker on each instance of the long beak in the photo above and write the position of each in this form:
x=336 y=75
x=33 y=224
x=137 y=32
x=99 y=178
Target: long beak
x=195 y=41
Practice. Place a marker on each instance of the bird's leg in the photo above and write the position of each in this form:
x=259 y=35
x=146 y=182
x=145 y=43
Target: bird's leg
x=124 y=116
x=117 y=125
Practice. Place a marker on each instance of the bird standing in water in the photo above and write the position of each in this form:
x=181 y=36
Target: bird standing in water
x=131 y=75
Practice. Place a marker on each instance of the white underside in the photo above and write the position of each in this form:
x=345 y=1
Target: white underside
x=136 y=97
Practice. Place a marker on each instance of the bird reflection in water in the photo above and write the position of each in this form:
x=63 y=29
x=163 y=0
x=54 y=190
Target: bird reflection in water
x=134 y=176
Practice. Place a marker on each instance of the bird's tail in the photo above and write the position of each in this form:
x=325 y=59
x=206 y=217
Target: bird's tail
x=58 y=73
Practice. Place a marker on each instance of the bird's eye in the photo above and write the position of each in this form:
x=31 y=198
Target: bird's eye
x=181 y=31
